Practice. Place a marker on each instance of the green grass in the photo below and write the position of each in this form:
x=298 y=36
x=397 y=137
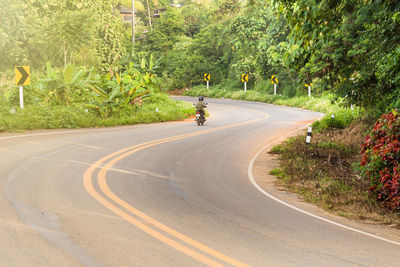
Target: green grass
x=278 y=172
x=342 y=119
x=78 y=116
x=277 y=149
x=334 y=146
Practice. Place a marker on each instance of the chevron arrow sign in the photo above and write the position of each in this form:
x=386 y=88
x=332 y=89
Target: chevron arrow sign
x=22 y=75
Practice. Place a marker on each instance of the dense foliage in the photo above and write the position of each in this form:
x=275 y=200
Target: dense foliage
x=352 y=47
x=381 y=159
x=230 y=38
x=331 y=44
x=108 y=94
x=88 y=33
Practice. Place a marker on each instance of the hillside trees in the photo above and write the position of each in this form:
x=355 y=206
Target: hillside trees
x=244 y=38
x=110 y=35
x=169 y=41
x=260 y=46
x=64 y=30
x=167 y=28
x=330 y=43
x=60 y=31
x=192 y=40
x=227 y=39
x=352 y=46
x=14 y=33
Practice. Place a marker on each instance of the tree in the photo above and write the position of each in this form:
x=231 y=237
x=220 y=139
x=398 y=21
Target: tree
x=339 y=46
x=66 y=32
x=133 y=22
x=167 y=28
x=109 y=35
x=61 y=31
x=14 y=34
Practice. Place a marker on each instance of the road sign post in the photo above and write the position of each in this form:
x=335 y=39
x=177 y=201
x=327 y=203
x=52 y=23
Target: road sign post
x=207 y=78
x=274 y=81
x=22 y=77
x=245 y=79
x=21 y=96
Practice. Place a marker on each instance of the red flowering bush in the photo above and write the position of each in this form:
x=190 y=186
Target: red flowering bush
x=380 y=160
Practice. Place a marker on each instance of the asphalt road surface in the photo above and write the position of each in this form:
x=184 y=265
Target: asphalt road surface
x=169 y=194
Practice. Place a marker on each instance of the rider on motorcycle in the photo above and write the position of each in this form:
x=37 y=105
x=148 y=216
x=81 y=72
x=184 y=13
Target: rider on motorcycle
x=201 y=105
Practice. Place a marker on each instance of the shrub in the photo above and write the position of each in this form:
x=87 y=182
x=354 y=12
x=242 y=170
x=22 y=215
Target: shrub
x=341 y=120
x=380 y=160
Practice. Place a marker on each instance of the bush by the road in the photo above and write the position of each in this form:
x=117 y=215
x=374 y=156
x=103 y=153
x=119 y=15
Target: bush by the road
x=76 y=97
x=340 y=120
x=381 y=160
x=78 y=116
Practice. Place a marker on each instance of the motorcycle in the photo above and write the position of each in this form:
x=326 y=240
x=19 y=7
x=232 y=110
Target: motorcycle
x=200 y=116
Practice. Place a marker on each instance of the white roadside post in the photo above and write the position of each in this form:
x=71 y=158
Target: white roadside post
x=275 y=89
x=309 y=89
x=353 y=93
x=308 y=138
x=245 y=86
x=208 y=84
x=21 y=96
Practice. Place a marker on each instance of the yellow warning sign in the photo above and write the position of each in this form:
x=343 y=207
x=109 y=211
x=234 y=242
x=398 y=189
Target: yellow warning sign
x=22 y=75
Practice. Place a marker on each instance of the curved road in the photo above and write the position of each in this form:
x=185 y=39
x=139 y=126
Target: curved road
x=169 y=194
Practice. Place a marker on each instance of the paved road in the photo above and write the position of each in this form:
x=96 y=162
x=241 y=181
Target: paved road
x=170 y=194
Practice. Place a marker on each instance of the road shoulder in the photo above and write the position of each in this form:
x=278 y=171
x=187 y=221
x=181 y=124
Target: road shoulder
x=265 y=162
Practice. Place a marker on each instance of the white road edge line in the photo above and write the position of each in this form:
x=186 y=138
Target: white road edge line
x=251 y=177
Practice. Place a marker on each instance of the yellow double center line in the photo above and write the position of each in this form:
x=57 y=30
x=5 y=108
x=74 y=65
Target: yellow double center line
x=118 y=206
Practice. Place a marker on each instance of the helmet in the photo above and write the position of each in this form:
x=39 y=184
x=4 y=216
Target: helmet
x=201 y=98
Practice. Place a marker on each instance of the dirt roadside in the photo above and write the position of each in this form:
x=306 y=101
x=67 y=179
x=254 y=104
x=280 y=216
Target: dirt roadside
x=265 y=162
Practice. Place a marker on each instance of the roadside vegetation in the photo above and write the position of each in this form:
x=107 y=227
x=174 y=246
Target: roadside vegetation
x=327 y=103
x=156 y=108
x=88 y=70
x=327 y=172
x=83 y=74
x=77 y=97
